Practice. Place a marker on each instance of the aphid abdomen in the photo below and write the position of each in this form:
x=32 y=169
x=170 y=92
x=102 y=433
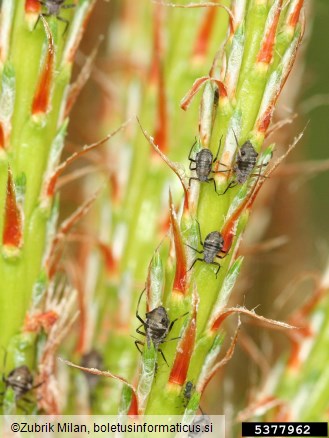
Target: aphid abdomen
x=245 y=162
x=210 y=252
x=157 y=335
x=213 y=244
x=204 y=160
x=243 y=171
x=53 y=6
x=188 y=390
x=157 y=326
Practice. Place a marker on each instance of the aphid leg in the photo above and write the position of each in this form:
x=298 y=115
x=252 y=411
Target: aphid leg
x=38 y=19
x=189 y=155
x=199 y=234
x=138 y=330
x=173 y=322
x=171 y=339
x=236 y=140
x=192 y=168
x=137 y=315
x=201 y=260
x=213 y=179
x=192 y=177
x=43 y=15
x=64 y=20
x=194 y=249
x=260 y=167
x=217 y=264
x=138 y=343
x=220 y=142
x=161 y=352
x=230 y=186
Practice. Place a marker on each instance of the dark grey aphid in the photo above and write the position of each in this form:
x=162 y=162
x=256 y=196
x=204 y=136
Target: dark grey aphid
x=93 y=359
x=20 y=380
x=212 y=246
x=245 y=163
x=199 y=423
x=53 y=8
x=187 y=394
x=156 y=327
x=203 y=163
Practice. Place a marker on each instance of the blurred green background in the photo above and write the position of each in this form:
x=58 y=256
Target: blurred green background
x=314 y=103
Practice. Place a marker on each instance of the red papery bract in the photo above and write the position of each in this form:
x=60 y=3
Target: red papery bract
x=184 y=351
x=187 y=99
x=41 y=101
x=218 y=322
x=294 y=16
x=110 y=262
x=181 y=265
x=266 y=52
x=2 y=137
x=133 y=410
x=12 y=231
x=203 y=38
x=157 y=76
x=32 y=6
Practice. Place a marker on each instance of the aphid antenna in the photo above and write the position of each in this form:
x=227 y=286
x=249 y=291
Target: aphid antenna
x=139 y=300
x=236 y=139
x=172 y=324
x=4 y=356
x=216 y=157
x=229 y=186
x=192 y=147
x=199 y=228
x=194 y=249
x=163 y=356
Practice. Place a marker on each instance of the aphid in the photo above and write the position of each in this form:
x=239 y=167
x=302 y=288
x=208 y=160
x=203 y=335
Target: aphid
x=203 y=165
x=93 y=359
x=245 y=163
x=20 y=379
x=53 y=9
x=157 y=326
x=188 y=390
x=187 y=394
x=212 y=246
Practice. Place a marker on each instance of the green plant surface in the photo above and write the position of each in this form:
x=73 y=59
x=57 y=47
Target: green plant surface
x=143 y=198
x=36 y=68
x=239 y=96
